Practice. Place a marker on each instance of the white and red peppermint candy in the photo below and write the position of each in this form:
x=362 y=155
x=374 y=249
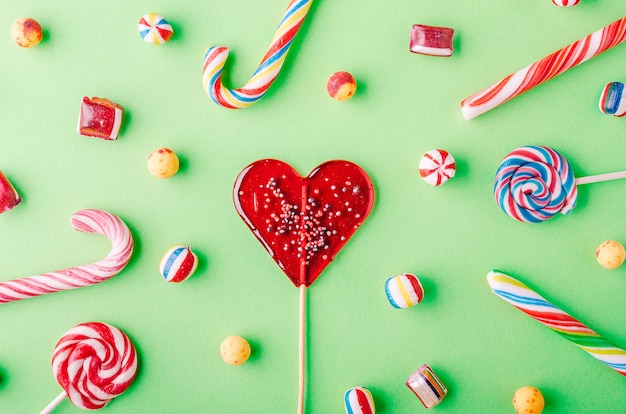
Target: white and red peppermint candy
x=94 y=362
x=437 y=166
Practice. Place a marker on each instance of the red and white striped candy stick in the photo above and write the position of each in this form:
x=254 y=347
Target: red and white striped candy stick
x=93 y=362
x=268 y=69
x=545 y=69
x=88 y=221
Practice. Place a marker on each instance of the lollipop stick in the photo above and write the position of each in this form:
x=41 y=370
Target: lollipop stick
x=54 y=403
x=601 y=177
x=302 y=345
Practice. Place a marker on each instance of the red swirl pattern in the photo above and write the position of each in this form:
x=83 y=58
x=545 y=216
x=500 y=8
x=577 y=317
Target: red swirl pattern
x=94 y=362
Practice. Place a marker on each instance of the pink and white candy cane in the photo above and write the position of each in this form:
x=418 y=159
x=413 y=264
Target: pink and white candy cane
x=88 y=221
x=93 y=362
x=545 y=69
x=268 y=69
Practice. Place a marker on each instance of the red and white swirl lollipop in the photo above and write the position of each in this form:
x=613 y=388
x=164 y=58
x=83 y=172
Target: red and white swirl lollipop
x=534 y=183
x=93 y=362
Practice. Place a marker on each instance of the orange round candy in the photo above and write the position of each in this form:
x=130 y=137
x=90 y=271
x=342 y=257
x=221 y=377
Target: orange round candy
x=235 y=350
x=26 y=32
x=610 y=254
x=163 y=163
x=341 y=86
x=528 y=400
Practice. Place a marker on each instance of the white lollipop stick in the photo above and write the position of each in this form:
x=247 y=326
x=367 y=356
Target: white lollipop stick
x=53 y=404
x=302 y=349
x=600 y=177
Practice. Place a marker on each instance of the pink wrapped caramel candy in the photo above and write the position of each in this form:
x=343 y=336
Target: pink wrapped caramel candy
x=431 y=40
x=9 y=198
x=100 y=118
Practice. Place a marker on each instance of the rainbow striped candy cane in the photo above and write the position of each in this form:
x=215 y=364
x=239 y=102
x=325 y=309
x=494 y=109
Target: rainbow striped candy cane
x=538 y=308
x=268 y=69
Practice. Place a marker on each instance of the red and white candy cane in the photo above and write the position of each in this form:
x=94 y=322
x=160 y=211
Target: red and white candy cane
x=268 y=69
x=88 y=221
x=545 y=69
x=93 y=362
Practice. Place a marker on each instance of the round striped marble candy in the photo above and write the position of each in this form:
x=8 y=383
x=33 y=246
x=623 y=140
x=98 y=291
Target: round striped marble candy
x=359 y=400
x=437 y=166
x=155 y=29
x=178 y=263
x=565 y=3
x=404 y=291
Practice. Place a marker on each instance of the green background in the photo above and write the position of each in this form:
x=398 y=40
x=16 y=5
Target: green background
x=450 y=236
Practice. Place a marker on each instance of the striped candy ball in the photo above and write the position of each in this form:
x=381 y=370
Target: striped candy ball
x=155 y=29
x=404 y=291
x=613 y=99
x=178 y=263
x=535 y=183
x=359 y=400
x=437 y=166
x=565 y=3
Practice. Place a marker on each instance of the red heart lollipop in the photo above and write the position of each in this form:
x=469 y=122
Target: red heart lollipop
x=303 y=221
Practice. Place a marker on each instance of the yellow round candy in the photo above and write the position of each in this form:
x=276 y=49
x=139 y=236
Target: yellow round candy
x=26 y=32
x=163 y=163
x=528 y=400
x=610 y=254
x=235 y=350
